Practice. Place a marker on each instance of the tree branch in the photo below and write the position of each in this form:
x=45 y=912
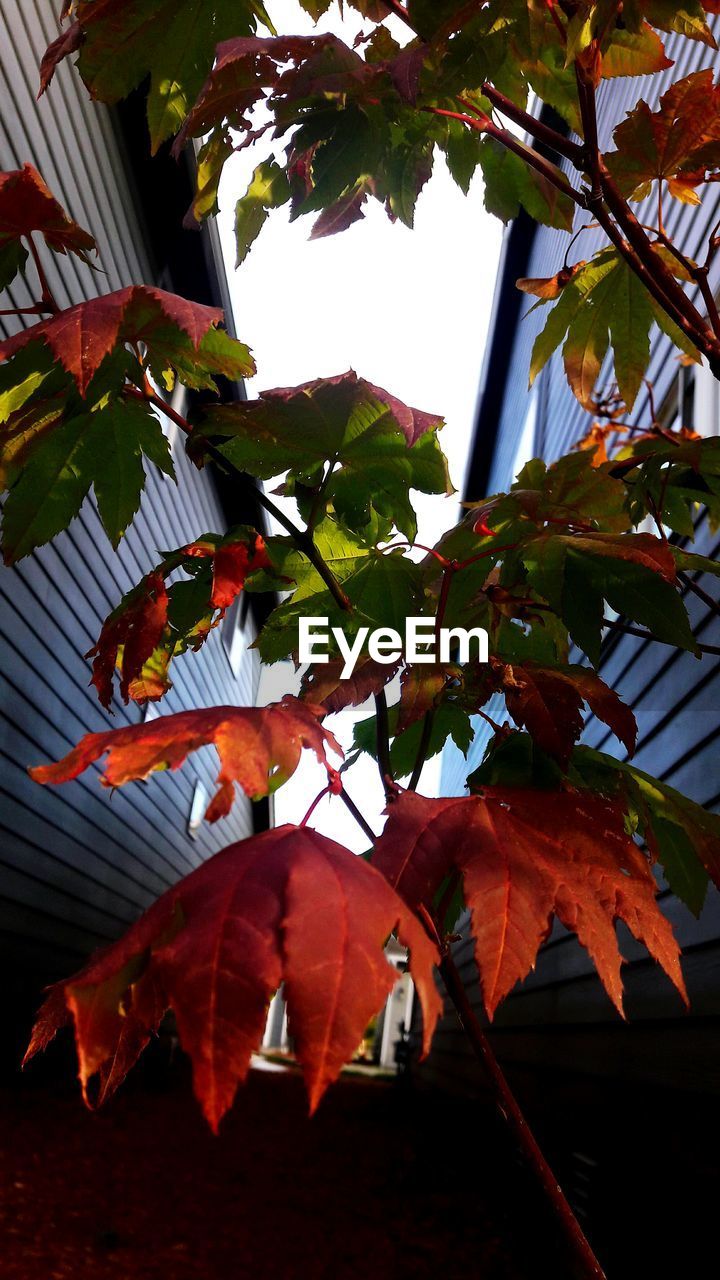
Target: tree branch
x=508 y=140
x=48 y=299
x=353 y=809
x=511 y=1112
x=383 y=741
x=536 y=128
x=423 y=745
x=699 y=591
x=626 y=629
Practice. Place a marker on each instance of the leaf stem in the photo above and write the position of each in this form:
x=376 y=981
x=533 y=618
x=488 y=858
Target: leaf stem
x=511 y=1112
x=47 y=299
x=353 y=809
x=536 y=128
x=320 y=796
x=423 y=745
x=508 y=140
x=37 y=309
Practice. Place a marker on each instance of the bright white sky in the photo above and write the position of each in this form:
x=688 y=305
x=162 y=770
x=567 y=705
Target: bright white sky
x=408 y=310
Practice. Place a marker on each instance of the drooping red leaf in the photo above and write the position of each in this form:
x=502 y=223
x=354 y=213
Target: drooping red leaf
x=341 y=215
x=288 y=905
x=421 y=685
x=82 y=336
x=547 y=701
x=69 y=41
x=324 y=686
x=259 y=748
x=523 y=856
x=136 y=630
x=232 y=563
x=143 y=634
x=27 y=205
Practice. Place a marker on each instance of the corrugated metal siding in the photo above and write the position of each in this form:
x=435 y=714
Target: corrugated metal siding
x=676 y=699
x=78 y=863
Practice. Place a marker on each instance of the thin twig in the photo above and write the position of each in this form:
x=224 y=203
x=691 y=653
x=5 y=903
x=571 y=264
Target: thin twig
x=625 y=628
x=536 y=128
x=423 y=745
x=37 y=309
x=353 y=809
x=511 y=1112
x=699 y=591
x=383 y=741
x=47 y=293
x=508 y=140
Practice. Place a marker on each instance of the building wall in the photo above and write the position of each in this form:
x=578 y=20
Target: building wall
x=78 y=863
x=560 y=1015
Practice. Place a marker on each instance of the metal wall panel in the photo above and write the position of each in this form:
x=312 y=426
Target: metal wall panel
x=78 y=863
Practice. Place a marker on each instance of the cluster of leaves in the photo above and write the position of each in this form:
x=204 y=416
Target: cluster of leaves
x=154 y=624
x=76 y=400
x=551 y=828
x=365 y=120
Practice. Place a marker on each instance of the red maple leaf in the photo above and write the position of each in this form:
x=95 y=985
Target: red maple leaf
x=523 y=856
x=27 y=205
x=259 y=748
x=286 y=906
x=136 y=637
x=136 y=630
x=82 y=336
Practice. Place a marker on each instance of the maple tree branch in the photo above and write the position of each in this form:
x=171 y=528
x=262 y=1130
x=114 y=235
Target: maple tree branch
x=691 y=322
x=400 y=12
x=536 y=128
x=629 y=236
x=699 y=591
x=698 y=273
x=627 y=629
x=37 y=309
x=383 y=742
x=512 y=1113
x=353 y=809
x=423 y=745
x=302 y=538
x=508 y=140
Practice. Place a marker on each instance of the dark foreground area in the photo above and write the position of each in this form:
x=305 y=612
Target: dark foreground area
x=380 y=1183
x=386 y=1182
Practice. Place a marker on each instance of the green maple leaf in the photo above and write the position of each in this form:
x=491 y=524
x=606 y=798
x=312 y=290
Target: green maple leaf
x=268 y=189
x=383 y=589
x=344 y=442
x=604 y=305
x=450 y=721
x=104 y=449
x=634 y=573
x=171 y=41
x=510 y=183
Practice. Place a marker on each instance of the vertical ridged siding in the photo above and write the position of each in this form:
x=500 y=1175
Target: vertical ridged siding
x=78 y=863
